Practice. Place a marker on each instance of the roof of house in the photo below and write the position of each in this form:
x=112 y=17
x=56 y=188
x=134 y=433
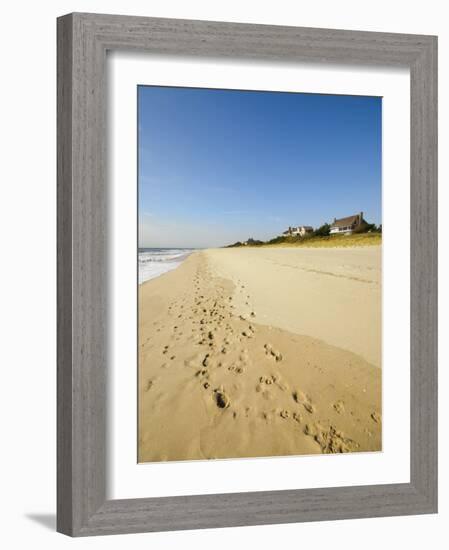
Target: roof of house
x=343 y=222
x=306 y=226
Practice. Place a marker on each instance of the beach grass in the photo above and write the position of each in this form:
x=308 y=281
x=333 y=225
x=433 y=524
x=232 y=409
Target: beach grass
x=330 y=241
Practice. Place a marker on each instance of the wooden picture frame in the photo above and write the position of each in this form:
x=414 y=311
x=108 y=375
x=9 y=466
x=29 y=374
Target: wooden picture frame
x=83 y=40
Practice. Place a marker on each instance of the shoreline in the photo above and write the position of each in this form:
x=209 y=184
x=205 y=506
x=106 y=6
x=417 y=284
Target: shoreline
x=159 y=261
x=218 y=383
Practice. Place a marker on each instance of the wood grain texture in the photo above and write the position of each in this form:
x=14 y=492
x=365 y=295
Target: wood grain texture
x=83 y=40
x=64 y=276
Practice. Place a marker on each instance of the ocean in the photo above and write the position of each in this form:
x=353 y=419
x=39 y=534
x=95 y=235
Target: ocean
x=154 y=262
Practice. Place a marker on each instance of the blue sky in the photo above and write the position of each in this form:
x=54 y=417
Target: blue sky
x=217 y=166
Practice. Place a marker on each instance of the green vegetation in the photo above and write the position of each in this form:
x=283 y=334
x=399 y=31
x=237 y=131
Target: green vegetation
x=319 y=241
x=322 y=231
x=369 y=228
x=332 y=241
x=366 y=235
x=249 y=242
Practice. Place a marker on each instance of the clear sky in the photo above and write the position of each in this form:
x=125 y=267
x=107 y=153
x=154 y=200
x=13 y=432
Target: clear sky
x=217 y=166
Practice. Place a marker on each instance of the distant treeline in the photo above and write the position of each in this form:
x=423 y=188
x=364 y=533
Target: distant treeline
x=250 y=242
x=323 y=231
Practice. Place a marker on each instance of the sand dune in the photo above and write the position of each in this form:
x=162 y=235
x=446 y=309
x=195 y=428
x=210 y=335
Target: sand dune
x=333 y=294
x=225 y=370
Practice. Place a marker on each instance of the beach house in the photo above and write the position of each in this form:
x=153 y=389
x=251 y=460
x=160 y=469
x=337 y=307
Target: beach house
x=301 y=230
x=305 y=230
x=347 y=225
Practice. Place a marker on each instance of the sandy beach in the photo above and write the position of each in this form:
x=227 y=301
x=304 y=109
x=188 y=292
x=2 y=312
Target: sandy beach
x=261 y=352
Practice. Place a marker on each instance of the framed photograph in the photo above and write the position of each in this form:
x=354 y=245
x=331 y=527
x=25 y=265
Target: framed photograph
x=247 y=274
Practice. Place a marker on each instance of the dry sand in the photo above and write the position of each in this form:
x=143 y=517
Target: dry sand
x=238 y=356
x=333 y=294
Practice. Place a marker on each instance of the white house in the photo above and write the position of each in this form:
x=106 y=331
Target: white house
x=305 y=230
x=347 y=225
x=301 y=230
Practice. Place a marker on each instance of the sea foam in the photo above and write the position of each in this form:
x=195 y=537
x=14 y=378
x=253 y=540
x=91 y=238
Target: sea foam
x=154 y=262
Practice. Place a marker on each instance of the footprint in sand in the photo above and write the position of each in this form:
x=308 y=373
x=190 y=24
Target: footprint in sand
x=339 y=406
x=267 y=395
x=269 y=380
x=270 y=352
x=375 y=417
x=202 y=372
x=309 y=407
x=330 y=440
x=312 y=429
x=280 y=384
x=249 y=332
x=221 y=399
x=149 y=385
x=300 y=398
x=284 y=414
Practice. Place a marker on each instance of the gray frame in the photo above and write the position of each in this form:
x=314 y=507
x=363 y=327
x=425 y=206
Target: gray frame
x=83 y=40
